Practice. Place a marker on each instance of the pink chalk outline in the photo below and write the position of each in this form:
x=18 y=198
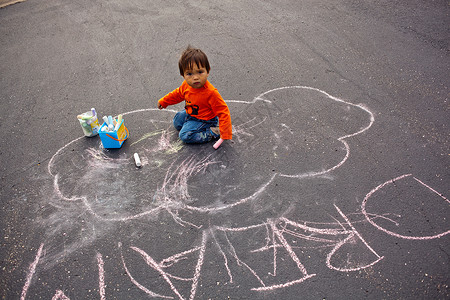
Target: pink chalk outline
x=31 y=271
x=379 y=187
x=101 y=276
x=276 y=233
x=59 y=295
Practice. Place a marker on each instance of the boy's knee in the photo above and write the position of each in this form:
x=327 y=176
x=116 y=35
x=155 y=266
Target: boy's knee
x=185 y=136
x=193 y=137
x=177 y=125
x=179 y=119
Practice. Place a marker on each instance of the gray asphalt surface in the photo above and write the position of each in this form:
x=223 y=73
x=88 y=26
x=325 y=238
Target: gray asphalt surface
x=335 y=186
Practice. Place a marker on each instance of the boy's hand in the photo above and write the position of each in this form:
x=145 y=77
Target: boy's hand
x=160 y=106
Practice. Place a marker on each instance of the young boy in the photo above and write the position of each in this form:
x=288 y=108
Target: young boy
x=205 y=109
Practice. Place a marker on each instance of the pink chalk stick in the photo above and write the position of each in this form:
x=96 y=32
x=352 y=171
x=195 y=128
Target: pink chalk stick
x=218 y=143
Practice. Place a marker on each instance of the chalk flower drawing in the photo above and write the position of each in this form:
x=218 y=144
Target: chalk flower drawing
x=197 y=188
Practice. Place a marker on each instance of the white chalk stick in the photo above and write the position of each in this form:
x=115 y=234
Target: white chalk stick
x=217 y=144
x=137 y=160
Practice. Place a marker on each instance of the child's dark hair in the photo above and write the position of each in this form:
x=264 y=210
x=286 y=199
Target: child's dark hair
x=191 y=56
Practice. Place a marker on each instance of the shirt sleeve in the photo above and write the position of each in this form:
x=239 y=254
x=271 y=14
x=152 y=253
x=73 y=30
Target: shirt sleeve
x=174 y=97
x=220 y=109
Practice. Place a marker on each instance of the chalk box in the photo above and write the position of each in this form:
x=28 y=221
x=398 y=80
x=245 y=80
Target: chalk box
x=90 y=126
x=113 y=139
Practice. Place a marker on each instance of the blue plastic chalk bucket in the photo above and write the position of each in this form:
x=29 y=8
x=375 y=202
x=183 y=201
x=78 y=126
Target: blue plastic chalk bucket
x=113 y=139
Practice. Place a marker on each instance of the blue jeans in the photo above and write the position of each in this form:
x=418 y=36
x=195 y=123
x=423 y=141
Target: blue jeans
x=193 y=130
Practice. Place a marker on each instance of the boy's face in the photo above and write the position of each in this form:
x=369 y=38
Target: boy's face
x=196 y=77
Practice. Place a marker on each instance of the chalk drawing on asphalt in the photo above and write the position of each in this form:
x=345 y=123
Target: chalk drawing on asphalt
x=106 y=187
x=174 y=171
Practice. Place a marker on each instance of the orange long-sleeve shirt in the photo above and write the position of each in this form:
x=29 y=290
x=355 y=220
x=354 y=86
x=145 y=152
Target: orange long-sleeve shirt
x=204 y=103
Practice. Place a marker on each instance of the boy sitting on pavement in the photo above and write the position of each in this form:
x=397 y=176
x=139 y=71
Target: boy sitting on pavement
x=206 y=115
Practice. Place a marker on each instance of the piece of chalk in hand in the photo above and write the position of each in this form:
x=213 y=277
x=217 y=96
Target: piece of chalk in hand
x=137 y=160
x=218 y=143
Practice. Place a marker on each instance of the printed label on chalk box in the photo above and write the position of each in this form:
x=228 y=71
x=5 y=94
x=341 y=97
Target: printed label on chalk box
x=121 y=132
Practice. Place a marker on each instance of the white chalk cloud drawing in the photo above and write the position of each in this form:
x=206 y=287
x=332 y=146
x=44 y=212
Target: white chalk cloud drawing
x=223 y=196
x=172 y=173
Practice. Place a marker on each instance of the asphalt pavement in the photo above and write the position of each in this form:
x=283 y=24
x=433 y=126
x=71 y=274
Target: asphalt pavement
x=335 y=185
